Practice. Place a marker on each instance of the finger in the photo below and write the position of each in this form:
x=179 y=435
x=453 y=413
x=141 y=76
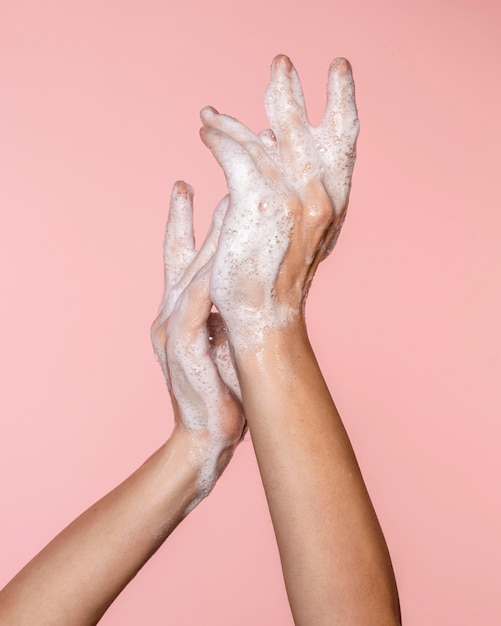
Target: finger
x=223 y=361
x=187 y=341
x=341 y=116
x=227 y=124
x=240 y=169
x=336 y=136
x=286 y=111
x=284 y=95
x=178 y=278
x=200 y=346
x=188 y=346
x=209 y=245
x=240 y=134
x=187 y=352
x=194 y=304
x=179 y=242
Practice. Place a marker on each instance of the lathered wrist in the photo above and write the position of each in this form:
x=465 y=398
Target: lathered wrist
x=251 y=328
x=206 y=456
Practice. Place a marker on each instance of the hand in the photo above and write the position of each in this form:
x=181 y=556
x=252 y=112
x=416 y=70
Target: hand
x=192 y=346
x=289 y=190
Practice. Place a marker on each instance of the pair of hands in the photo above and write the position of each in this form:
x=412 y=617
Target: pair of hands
x=288 y=195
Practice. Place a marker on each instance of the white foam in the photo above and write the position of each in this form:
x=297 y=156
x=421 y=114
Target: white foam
x=180 y=338
x=292 y=178
x=202 y=397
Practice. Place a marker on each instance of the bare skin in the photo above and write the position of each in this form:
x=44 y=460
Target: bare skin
x=295 y=181
x=79 y=574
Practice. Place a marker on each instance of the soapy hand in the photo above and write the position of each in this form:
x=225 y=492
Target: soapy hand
x=191 y=343
x=289 y=190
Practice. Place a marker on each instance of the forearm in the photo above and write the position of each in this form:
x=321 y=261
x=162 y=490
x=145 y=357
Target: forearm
x=79 y=574
x=335 y=561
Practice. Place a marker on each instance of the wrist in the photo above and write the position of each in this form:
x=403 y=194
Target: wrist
x=275 y=368
x=202 y=457
x=179 y=471
x=250 y=329
x=274 y=338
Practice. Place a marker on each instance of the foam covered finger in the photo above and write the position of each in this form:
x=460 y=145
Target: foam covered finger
x=341 y=110
x=238 y=165
x=210 y=243
x=192 y=308
x=284 y=94
x=242 y=135
x=286 y=110
x=202 y=342
x=197 y=383
x=206 y=252
x=179 y=242
x=227 y=124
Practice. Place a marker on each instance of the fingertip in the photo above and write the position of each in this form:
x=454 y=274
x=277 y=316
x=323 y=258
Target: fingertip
x=203 y=132
x=208 y=129
x=213 y=137
x=341 y=94
x=182 y=189
x=208 y=135
x=282 y=61
x=177 y=187
x=208 y=113
x=341 y=66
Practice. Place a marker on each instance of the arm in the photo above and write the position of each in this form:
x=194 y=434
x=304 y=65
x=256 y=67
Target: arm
x=335 y=561
x=290 y=188
x=79 y=574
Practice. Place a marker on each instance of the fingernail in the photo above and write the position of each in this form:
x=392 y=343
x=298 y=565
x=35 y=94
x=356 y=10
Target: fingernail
x=182 y=189
x=341 y=66
x=284 y=61
x=209 y=109
x=207 y=112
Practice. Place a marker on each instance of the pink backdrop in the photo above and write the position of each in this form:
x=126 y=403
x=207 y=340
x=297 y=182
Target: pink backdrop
x=99 y=105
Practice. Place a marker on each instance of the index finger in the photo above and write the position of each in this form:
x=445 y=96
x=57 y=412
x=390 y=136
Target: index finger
x=179 y=242
x=341 y=111
x=286 y=111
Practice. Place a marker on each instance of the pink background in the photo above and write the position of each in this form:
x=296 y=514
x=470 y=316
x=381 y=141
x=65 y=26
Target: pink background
x=99 y=105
